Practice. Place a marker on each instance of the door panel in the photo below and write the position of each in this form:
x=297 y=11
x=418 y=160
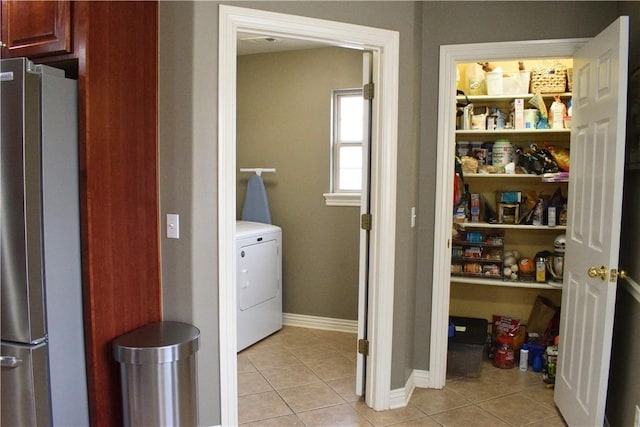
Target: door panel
x=36 y=28
x=22 y=302
x=25 y=389
x=365 y=208
x=257 y=273
x=593 y=232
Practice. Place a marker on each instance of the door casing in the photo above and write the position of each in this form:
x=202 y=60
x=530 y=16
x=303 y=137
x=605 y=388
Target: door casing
x=383 y=185
x=449 y=56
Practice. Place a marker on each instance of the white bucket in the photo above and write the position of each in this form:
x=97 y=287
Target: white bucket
x=494 y=83
x=516 y=82
x=508 y=83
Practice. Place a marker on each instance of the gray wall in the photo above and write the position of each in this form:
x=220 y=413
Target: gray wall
x=470 y=23
x=284 y=117
x=188 y=112
x=188 y=146
x=624 y=379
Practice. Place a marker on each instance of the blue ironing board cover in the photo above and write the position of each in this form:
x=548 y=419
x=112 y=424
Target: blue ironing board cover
x=256 y=204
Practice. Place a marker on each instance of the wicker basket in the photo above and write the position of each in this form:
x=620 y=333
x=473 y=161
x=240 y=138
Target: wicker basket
x=549 y=79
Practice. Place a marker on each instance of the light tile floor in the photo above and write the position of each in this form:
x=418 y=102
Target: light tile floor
x=306 y=377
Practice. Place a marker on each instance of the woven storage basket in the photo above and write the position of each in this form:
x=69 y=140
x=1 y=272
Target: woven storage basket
x=549 y=79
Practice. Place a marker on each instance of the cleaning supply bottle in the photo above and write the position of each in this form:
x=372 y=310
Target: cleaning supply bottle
x=524 y=357
x=558 y=111
x=537 y=363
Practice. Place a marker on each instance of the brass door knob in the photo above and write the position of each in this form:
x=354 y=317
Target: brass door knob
x=598 y=272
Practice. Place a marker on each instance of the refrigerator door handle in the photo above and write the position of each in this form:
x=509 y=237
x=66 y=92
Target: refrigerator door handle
x=10 y=362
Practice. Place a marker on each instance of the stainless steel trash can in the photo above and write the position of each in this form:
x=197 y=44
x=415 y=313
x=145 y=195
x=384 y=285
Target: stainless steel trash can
x=158 y=374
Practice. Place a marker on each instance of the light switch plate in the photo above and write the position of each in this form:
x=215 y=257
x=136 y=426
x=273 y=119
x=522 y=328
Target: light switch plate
x=173 y=226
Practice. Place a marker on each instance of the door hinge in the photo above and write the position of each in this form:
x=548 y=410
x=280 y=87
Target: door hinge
x=368 y=91
x=363 y=347
x=365 y=222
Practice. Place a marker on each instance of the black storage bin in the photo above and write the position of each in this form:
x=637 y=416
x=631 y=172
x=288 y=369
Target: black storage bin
x=467 y=347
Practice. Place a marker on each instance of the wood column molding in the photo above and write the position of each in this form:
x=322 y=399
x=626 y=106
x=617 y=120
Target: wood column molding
x=118 y=76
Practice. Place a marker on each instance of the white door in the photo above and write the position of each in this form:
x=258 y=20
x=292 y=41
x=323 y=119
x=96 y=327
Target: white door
x=365 y=208
x=593 y=232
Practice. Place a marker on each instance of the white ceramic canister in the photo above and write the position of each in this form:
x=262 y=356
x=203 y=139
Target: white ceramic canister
x=502 y=152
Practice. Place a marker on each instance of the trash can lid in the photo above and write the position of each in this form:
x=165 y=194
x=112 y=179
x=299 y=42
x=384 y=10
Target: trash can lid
x=159 y=342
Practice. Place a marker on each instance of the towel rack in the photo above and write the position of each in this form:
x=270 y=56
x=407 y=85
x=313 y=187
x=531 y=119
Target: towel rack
x=258 y=171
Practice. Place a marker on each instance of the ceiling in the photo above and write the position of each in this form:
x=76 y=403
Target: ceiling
x=249 y=44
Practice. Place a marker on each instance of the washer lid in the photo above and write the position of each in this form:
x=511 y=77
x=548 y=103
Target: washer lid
x=249 y=228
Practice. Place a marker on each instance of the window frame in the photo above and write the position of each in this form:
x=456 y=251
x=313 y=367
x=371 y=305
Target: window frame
x=337 y=195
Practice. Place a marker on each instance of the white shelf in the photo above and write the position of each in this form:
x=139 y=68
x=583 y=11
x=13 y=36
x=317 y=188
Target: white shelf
x=497 y=282
x=510 y=97
x=512 y=131
x=508 y=226
x=530 y=176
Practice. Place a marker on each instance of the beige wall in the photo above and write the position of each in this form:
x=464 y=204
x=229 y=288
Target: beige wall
x=405 y=18
x=284 y=117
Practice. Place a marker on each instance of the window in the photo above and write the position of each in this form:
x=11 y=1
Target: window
x=346 y=147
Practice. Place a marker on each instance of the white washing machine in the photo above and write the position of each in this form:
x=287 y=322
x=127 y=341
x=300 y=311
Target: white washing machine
x=259 y=281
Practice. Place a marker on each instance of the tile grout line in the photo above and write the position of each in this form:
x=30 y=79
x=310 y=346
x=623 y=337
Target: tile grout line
x=321 y=380
x=339 y=346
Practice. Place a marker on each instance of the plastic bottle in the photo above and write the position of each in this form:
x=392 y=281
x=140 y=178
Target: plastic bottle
x=524 y=357
x=558 y=111
x=537 y=363
x=502 y=152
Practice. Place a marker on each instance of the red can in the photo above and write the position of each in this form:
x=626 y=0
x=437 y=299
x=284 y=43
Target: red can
x=503 y=357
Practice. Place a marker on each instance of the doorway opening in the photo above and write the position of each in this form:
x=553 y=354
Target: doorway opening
x=449 y=57
x=379 y=299
x=597 y=137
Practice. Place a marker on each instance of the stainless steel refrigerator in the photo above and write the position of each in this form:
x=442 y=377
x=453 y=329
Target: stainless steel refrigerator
x=42 y=350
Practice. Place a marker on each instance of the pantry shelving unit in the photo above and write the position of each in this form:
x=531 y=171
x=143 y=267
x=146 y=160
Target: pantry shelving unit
x=527 y=239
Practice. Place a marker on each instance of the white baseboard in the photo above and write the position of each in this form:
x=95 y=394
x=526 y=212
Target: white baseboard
x=400 y=397
x=421 y=379
x=315 y=322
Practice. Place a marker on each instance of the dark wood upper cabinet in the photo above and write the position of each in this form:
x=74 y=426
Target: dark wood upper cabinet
x=36 y=29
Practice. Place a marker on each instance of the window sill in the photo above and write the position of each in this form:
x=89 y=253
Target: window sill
x=342 y=199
